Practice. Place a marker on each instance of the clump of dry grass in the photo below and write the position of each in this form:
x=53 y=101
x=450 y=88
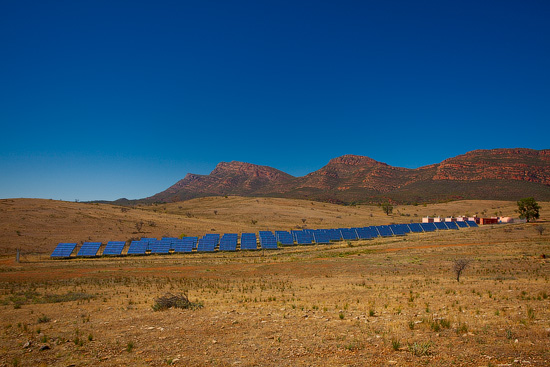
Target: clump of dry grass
x=170 y=300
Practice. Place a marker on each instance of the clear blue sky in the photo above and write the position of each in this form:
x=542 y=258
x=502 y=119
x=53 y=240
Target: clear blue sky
x=111 y=99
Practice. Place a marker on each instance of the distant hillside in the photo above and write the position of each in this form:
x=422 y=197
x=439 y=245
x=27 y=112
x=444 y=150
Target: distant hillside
x=498 y=174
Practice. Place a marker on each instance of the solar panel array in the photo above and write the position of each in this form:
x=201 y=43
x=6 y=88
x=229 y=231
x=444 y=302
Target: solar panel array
x=348 y=233
x=284 y=238
x=440 y=225
x=63 y=250
x=186 y=244
x=451 y=225
x=89 y=249
x=138 y=247
x=321 y=236
x=385 y=231
x=228 y=242
x=208 y=242
x=428 y=227
x=114 y=248
x=160 y=246
x=248 y=241
x=268 y=240
x=303 y=237
x=416 y=227
x=461 y=224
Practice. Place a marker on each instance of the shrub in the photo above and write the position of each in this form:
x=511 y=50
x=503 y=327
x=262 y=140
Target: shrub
x=42 y=319
x=421 y=349
x=177 y=301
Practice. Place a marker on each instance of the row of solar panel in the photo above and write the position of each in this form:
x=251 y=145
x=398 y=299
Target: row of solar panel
x=229 y=241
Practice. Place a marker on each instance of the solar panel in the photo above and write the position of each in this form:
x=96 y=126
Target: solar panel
x=416 y=227
x=248 y=241
x=334 y=234
x=114 y=248
x=228 y=242
x=321 y=236
x=363 y=233
x=440 y=225
x=268 y=240
x=137 y=248
x=186 y=244
x=302 y=238
x=89 y=249
x=451 y=225
x=398 y=230
x=385 y=231
x=208 y=242
x=461 y=224
x=348 y=233
x=284 y=238
x=428 y=227
x=373 y=231
x=63 y=250
x=160 y=247
x=471 y=223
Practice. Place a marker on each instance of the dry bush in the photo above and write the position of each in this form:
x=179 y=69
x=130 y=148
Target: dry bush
x=170 y=300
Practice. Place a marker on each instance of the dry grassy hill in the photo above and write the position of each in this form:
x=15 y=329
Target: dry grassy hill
x=37 y=225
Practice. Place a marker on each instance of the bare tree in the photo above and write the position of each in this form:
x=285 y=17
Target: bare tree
x=138 y=226
x=304 y=220
x=458 y=267
x=540 y=229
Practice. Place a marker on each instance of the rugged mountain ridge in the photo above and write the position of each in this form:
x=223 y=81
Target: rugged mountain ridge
x=507 y=174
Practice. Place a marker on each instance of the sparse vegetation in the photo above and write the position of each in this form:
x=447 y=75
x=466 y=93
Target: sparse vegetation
x=459 y=265
x=170 y=300
x=397 y=299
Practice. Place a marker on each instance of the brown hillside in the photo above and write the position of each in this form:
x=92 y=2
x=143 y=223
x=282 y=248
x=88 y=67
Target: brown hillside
x=516 y=173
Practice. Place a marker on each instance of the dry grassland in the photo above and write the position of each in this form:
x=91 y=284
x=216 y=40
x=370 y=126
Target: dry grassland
x=383 y=302
x=37 y=226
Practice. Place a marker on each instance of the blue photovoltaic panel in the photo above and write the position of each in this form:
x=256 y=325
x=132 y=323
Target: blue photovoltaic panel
x=248 y=241
x=302 y=238
x=405 y=228
x=228 y=242
x=416 y=227
x=208 y=242
x=321 y=236
x=348 y=233
x=428 y=227
x=284 y=238
x=385 y=231
x=137 y=248
x=114 y=248
x=397 y=230
x=334 y=234
x=440 y=225
x=373 y=231
x=89 y=249
x=63 y=250
x=268 y=240
x=186 y=244
x=471 y=223
x=451 y=225
x=363 y=233
x=160 y=247
x=461 y=224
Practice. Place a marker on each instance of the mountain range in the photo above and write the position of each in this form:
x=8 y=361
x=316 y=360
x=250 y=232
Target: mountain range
x=497 y=174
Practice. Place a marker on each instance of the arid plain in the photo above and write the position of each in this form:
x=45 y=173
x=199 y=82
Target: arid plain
x=391 y=301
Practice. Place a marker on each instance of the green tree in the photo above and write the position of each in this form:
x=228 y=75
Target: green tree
x=528 y=209
x=387 y=207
